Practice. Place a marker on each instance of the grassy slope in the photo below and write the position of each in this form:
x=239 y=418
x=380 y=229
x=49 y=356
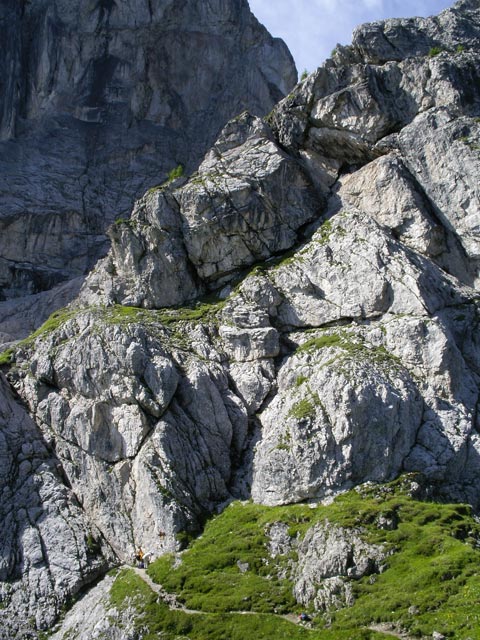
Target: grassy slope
x=130 y=589
x=434 y=569
x=204 y=310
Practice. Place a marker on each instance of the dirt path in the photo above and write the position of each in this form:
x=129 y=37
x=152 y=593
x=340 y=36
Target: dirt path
x=174 y=604
x=171 y=600
x=168 y=598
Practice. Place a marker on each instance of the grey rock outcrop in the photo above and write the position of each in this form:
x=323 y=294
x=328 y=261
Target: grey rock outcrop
x=396 y=39
x=418 y=114
x=401 y=377
x=248 y=200
x=94 y=617
x=147 y=433
x=398 y=244
x=329 y=557
x=49 y=550
x=99 y=102
x=337 y=241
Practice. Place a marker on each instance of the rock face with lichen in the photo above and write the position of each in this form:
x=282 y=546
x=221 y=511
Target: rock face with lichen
x=296 y=318
x=99 y=102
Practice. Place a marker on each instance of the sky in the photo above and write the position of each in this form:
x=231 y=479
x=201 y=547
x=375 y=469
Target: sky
x=312 y=28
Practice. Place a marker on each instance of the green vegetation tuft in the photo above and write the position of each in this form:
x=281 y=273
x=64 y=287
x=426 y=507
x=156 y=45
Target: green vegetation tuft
x=353 y=347
x=323 y=234
x=199 y=311
x=302 y=410
x=157 y=187
x=328 y=340
x=93 y=545
x=300 y=380
x=121 y=314
x=204 y=310
x=7 y=356
x=434 y=51
x=175 y=173
x=56 y=320
x=120 y=221
x=304 y=75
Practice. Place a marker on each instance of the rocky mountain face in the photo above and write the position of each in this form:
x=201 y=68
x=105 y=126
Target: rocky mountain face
x=297 y=317
x=99 y=101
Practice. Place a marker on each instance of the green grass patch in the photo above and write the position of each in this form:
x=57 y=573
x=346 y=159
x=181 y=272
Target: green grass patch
x=300 y=380
x=204 y=310
x=52 y=324
x=433 y=572
x=209 y=577
x=353 y=347
x=434 y=51
x=434 y=567
x=176 y=172
x=327 y=340
x=7 y=356
x=302 y=410
x=56 y=320
x=130 y=590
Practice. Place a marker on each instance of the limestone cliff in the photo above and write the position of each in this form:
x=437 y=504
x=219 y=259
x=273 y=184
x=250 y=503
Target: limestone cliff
x=297 y=317
x=99 y=101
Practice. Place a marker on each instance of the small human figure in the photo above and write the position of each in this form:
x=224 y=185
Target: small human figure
x=139 y=557
x=304 y=617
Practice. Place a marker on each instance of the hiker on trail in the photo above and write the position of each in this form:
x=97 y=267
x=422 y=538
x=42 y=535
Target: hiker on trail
x=139 y=556
x=303 y=617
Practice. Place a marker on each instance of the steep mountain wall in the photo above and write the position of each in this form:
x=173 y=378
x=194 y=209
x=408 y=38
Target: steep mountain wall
x=99 y=101
x=49 y=550
x=296 y=318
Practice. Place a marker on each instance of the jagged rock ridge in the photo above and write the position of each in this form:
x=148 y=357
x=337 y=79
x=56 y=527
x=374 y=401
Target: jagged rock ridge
x=351 y=358
x=100 y=100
